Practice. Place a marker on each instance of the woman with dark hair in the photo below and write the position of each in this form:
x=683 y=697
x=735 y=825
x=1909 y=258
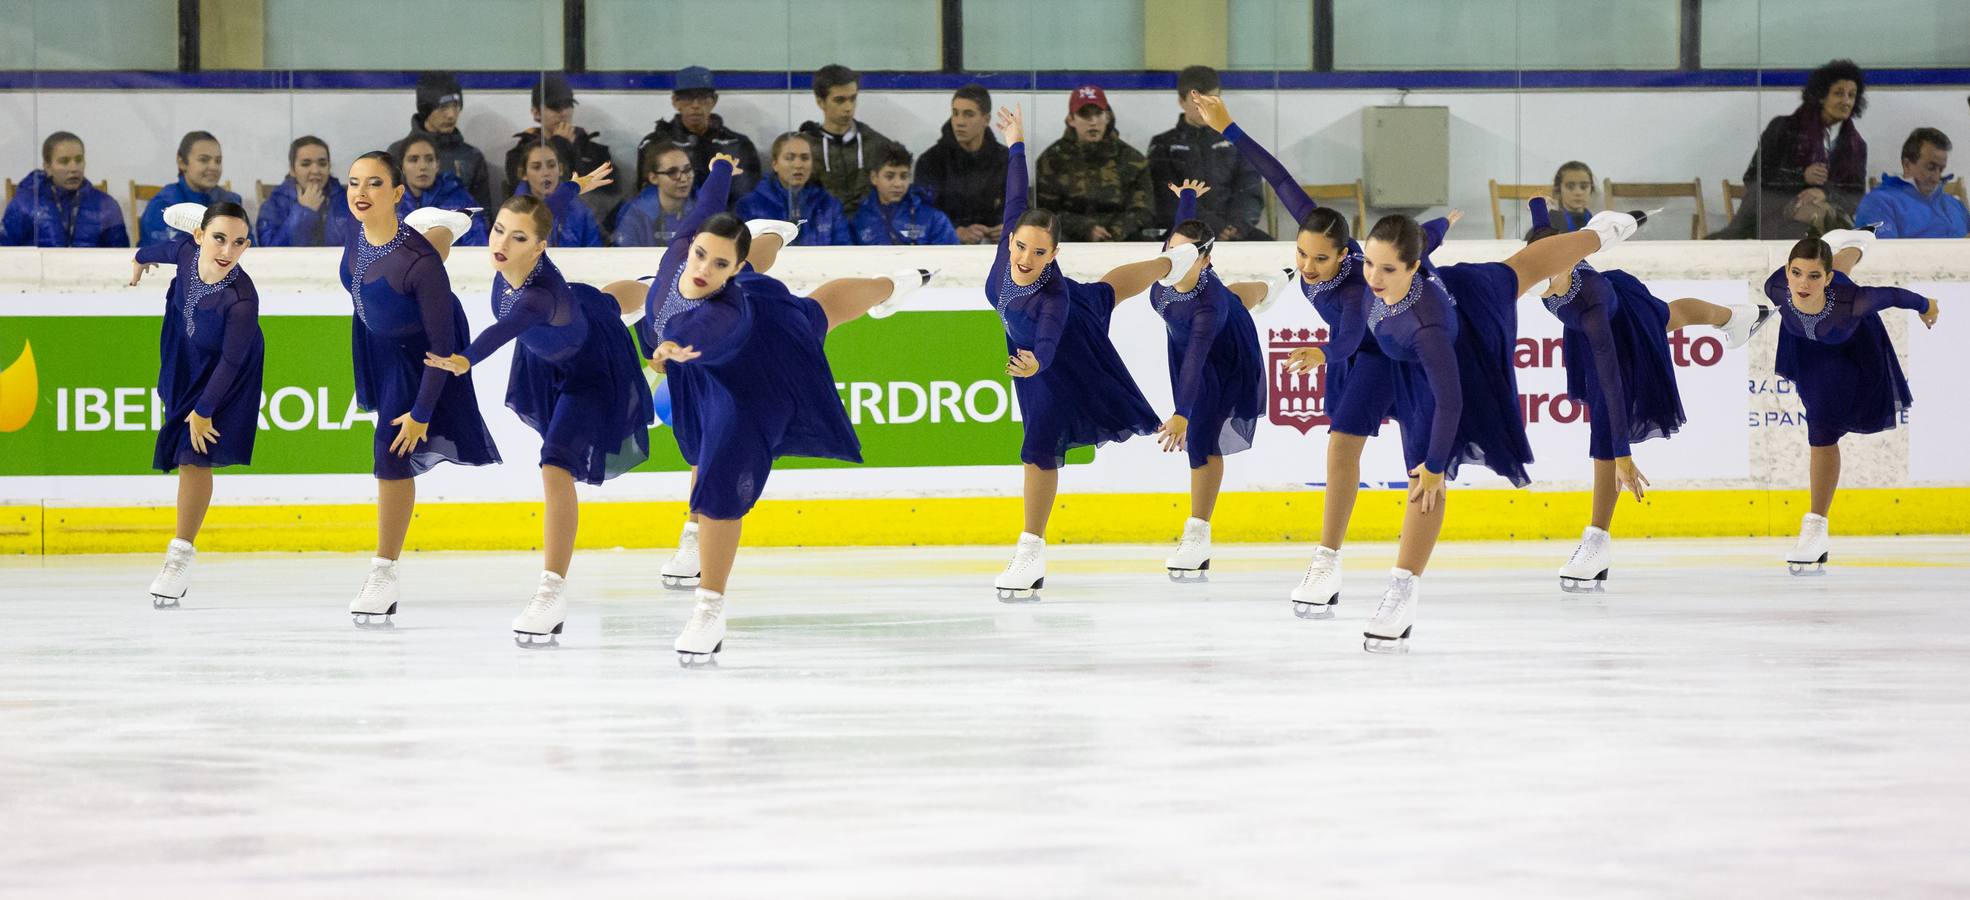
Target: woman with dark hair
x=1810 y=170
x=791 y=195
x=58 y=206
x=1217 y=375
x=574 y=224
x=210 y=357
x=1458 y=326
x=748 y=376
x=404 y=311
x=1616 y=343
x=650 y=217
x=1074 y=391
x=428 y=186
x=1573 y=196
x=200 y=166
x=575 y=378
x=308 y=209
x=1833 y=347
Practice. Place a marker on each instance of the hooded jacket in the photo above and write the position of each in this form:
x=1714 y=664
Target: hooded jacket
x=1195 y=151
x=284 y=222
x=702 y=147
x=151 y=228
x=460 y=159
x=1904 y=213
x=970 y=187
x=825 y=226
x=40 y=215
x=642 y=222
x=845 y=161
x=911 y=220
x=1104 y=182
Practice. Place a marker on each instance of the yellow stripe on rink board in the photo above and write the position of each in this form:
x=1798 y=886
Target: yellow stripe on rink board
x=1080 y=518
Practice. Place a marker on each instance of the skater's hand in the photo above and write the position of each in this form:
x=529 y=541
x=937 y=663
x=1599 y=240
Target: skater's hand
x=730 y=160
x=1190 y=184
x=1023 y=364
x=1012 y=125
x=1428 y=488
x=668 y=350
x=1628 y=478
x=138 y=270
x=455 y=364
x=203 y=434
x=1305 y=359
x=1171 y=434
x=410 y=433
x=1455 y=216
x=1211 y=110
x=1928 y=315
x=596 y=178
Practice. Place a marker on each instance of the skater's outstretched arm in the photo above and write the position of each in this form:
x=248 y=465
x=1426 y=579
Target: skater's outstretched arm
x=535 y=307
x=1027 y=362
x=176 y=252
x=1875 y=299
x=1012 y=129
x=1291 y=196
x=712 y=197
x=242 y=336
x=713 y=332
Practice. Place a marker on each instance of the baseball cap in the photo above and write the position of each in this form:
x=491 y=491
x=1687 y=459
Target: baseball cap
x=552 y=92
x=692 y=78
x=1087 y=95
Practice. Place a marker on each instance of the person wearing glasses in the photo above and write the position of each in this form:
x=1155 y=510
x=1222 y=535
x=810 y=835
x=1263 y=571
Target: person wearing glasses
x=702 y=133
x=651 y=218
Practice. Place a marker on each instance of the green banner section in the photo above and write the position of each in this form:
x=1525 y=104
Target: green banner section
x=76 y=396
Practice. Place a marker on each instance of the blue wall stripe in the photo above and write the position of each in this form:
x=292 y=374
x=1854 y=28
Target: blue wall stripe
x=1532 y=79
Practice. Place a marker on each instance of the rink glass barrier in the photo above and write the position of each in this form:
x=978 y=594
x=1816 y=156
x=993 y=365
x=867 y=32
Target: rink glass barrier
x=937 y=419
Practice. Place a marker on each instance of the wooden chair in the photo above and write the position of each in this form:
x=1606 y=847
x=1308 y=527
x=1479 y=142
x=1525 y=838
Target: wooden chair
x=1657 y=190
x=1733 y=194
x=1345 y=190
x=1955 y=189
x=1516 y=192
x=141 y=194
x=13 y=188
x=1873 y=181
x=264 y=190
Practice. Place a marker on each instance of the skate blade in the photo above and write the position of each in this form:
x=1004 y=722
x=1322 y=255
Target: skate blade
x=158 y=602
x=691 y=660
x=1014 y=595
x=1806 y=570
x=1190 y=576
x=680 y=582
x=1581 y=586
x=1307 y=610
x=375 y=621
x=527 y=640
x=1378 y=644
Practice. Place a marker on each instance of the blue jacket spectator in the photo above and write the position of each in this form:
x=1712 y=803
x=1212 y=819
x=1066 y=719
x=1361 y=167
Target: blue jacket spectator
x=643 y=222
x=199 y=171
x=650 y=218
x=574 y=225
x=42 y=215
x=1915 y=205
x=425 y=184
x=911 y=220
x=825 y=226
x=285 y=222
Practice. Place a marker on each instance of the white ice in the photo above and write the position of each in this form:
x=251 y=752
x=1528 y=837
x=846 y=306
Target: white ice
x=880 y=726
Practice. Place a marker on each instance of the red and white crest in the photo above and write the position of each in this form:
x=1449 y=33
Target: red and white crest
x=1296 y=400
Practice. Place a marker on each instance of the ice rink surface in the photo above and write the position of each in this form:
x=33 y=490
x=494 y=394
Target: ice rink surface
x=880 y=726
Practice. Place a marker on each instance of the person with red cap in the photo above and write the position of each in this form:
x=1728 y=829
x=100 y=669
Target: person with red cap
x=1096 y=183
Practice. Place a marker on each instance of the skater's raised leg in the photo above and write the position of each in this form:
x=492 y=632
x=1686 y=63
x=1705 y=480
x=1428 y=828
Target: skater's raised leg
x=848 y=299
x=1738 y=323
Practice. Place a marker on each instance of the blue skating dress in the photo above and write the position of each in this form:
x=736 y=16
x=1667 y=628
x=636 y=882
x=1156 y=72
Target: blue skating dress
x=1841 y=359
x=1617 y=358
x=210 y=357
x=1217 y=371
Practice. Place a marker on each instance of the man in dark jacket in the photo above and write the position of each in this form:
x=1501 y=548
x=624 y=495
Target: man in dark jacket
x=702 y=133
x=964 y=174
x=439 y=100
x=554 y=108
x=846 y=149
x=1193 y=150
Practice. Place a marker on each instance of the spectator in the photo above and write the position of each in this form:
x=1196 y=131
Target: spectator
x=310 y=208
x=554 y=112
x=964 y=173
x=1191 y=151
x=1573 y=196
x=848 y=149
x=439 y=100
x=790 y=196
x=1915 y=205
x=896 y=213
x=1811 y=166
x=702 y=133
x=57 y=206
x=650 y=218
x=1098 y=185
x=425 y=184
x=574 y=225
x=200 y=167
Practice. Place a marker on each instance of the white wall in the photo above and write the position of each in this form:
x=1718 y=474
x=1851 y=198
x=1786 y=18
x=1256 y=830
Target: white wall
x=1628 y=135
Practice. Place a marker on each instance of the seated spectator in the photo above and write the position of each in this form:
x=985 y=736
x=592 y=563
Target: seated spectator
x=574 y=225
x=895 y=213
x=1811 y=166
x=554 y=111
x=788 y=195
x=57 y=206
x=848 y=149
x=964 y=173
x=1191 y=151
x=200 y=167
x=439 y=101
x=702 y=133
x=1098 y=185
x=425 y=184
x=310 y=208
x=1573 y=196
x=650 y=218
x=1915 y=205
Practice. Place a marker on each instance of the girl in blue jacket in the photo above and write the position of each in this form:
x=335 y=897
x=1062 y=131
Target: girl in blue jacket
x=574 y=225
x=57 y=206
x=790 y=196
x=310 y=208
x=200 y=167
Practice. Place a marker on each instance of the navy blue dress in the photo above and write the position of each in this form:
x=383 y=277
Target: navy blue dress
x=575 y=378
x=1841 y=359
x=1083 y=395
x=761 y=387
x=1217 y=371
x=404 y=309
x=210 y=357
x=1616 y=350
x=1460 y=401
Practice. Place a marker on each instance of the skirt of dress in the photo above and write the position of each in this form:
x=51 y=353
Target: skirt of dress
x=593 y=410
x=1855 y=387
x=1087 y=397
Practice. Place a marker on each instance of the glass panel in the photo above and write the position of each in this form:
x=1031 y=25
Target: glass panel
x=865 y=34
x=89 y=34
x=358 y=34
x=1506 y=34
x=1270 y=34
x=1085 y=35
x=1750 y=33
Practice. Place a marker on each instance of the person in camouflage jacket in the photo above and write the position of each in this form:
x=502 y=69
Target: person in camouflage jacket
x=1096 y=183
